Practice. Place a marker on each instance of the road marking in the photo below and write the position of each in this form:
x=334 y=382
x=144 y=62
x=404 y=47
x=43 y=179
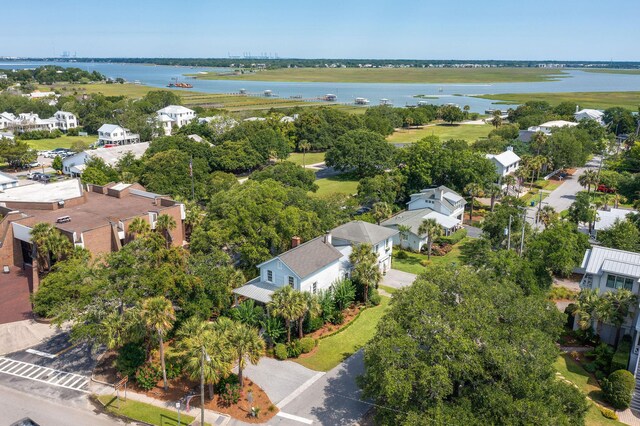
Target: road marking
x=295 y=418
x=40 y=353
x=53 y=377
x=66 y=349
x=300 y=389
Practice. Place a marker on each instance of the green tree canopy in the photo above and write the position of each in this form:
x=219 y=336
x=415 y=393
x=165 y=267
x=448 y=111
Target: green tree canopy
x=364 y=152
x=622 y=235
x=289 y=174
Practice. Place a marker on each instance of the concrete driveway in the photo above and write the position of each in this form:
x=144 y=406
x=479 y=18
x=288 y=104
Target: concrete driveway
x=279 y=379
x=398 y=279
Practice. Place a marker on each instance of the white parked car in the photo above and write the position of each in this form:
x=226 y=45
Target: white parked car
x=34 y=164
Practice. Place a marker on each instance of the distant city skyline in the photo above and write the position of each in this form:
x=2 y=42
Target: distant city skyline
x=368 y=29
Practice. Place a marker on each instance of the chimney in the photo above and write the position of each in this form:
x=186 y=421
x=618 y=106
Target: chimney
x=295 y=242
x=327 y=238
x=509 y=148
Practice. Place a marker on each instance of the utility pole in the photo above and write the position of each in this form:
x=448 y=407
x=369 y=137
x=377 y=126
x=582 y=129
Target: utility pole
x=202 y=389
x=524 y=222
x=509 y=234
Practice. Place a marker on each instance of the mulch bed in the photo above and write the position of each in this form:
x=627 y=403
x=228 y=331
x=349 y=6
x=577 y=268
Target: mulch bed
x=105 y=370
x=349 y=315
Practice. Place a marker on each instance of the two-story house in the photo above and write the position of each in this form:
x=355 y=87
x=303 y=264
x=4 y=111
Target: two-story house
x=174 y=116
x=506 y=163
x=65 y=120
x=442 y=204
x=112 y=134
x=606 y=269
x=317 y=264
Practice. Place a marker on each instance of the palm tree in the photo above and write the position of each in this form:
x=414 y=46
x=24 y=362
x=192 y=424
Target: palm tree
x=404 y=231
x=494 y=192
x=616 y=200
x=380 y=211
x=538 y=141
x=165 y=224
x=48 y=240
x=431 y=229
x=586 y=308
x=497 y=119
x=473 y=190
x=619 y=304
x=304 y=146
x=195 y=335
x=287 y=304
x=138 y=226
x=194 y=216
x=365 y=270
x=311 y=306
x=510 y=181
x=588 y=178
x=247 y=345
x=548 y=215
x=158 y=316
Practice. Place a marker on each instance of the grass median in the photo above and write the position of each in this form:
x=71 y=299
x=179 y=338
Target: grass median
x=142 y=412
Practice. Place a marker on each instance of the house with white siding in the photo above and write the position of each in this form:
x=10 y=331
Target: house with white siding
x=605 y=270
x=589 y=114
x=112 y=134
x=506 y=163
x=442 y=204
x=7 y=181
x=174 y=116
x=65 y=120
x=317 y=264
x=74 y=165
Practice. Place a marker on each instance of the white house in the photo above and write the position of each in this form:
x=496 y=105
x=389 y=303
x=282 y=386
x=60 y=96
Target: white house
x=6 y=120
x=174 y=116
x=112 y=134
x=549 y=126
x=7 y=181
x=589 y=114
x=606 y=218
x=318 y=263
x=505 y=163
x=606 y=270
x=65 y=120
x=74 y=165
x=442 y=204
x=220 y=123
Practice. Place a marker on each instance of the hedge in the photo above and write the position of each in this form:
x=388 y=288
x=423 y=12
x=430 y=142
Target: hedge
x=454 y=238
x=618 y=389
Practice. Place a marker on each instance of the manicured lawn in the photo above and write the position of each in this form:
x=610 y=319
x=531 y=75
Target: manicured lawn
x=309 y=158
x=61 y=142
x=335 y=349
x=468 y=132
x=341 y=184
x=599 y=100
x=388 y=289
x=412 y=263
x=572 y=371
x=144 y=412
x=534 y=196
x=393 y=75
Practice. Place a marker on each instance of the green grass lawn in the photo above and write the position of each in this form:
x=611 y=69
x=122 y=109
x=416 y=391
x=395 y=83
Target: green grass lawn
x=61 y=142
x=335 y=349
x=393 y=75
x=412 y=263
x=612 y=71
x=309 y=158
x=468 y=132
x=572 y=371
x=599 y=100
x=341 y=184
x=144 y=412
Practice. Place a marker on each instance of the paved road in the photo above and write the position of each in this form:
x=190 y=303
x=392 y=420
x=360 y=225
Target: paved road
x=564 y=195
x=16 y=405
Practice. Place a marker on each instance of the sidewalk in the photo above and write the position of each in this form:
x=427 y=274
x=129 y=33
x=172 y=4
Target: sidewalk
x=211 y=417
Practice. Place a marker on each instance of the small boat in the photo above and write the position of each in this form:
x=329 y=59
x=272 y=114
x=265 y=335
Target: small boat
x=385 y=101
x=330 y=97
x=268 y=93
x=362 y=101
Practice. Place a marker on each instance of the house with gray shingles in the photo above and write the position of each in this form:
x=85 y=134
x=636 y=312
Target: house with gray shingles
x=606 y=269
x=442 y=204
x=316 y=264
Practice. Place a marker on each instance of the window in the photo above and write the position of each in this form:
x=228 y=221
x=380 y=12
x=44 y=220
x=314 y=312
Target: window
x=314 y=287
x=617 y=282
x=376 y=248
x=291 y=283
x=270 y=276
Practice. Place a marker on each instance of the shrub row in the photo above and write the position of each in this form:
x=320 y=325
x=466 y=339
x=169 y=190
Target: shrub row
x=454 y=238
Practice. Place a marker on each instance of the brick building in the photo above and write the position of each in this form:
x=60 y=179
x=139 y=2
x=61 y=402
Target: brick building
x=92 y=216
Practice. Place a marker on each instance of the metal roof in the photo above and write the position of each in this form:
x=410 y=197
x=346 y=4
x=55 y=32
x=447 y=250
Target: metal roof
x=598 y=258
x=506 y=158
x=414 y=218
x=606 y=218
x=257 y=290
x=360 y=232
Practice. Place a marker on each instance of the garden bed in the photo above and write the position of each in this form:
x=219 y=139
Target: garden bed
x=349 y=315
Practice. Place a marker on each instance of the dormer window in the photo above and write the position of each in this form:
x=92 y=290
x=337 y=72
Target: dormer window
x=270 y=276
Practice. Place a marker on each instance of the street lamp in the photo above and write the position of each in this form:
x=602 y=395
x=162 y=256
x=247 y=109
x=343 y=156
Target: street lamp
x=205 y=356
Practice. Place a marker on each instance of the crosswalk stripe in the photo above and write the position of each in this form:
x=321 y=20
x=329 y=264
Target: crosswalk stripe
x=43 y=374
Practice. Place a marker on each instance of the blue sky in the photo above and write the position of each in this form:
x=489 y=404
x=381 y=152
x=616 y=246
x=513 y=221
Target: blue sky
x=427 y=29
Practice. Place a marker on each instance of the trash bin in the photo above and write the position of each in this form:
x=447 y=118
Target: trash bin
x=533 y=203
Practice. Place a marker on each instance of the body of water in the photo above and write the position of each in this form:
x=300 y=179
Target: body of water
x=400 y=94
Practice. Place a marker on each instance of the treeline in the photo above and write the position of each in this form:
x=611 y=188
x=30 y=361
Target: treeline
x=320 y=62
x=49 y=74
